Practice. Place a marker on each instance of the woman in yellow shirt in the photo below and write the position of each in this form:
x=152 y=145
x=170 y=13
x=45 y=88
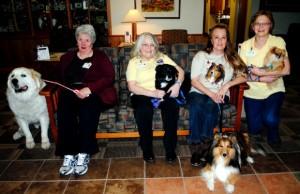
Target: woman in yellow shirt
x=140 y=76
x=266 y=94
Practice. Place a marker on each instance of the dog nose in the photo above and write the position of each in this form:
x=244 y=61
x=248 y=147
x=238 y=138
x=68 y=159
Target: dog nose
x=224 y=155
x=14 y=82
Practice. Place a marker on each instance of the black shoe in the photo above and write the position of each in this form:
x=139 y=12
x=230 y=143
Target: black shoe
x=149 y=158
x=196 y=159
x=170 y=158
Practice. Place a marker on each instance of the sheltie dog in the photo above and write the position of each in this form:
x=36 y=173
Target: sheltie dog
x=215 y=73
x=224 y=161
x=273 y=61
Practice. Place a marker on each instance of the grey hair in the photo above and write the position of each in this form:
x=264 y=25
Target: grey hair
x=135 y=52
x=86 y=29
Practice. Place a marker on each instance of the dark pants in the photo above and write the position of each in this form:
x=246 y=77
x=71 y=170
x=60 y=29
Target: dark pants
x=77 y=121
x=204 y=117
x=264 y=112
x=143 y=113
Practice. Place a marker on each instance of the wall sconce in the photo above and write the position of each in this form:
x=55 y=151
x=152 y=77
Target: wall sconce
x=133 y=16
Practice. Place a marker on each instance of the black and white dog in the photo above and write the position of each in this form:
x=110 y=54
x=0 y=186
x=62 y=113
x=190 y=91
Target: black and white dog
x=166 y=76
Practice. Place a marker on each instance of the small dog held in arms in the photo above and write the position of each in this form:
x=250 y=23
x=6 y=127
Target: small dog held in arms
x=23 y=87
x=165 y=77
x=273 y=61
x=226 y=156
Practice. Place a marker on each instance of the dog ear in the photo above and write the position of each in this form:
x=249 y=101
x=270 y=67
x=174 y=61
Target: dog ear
x=37 y=78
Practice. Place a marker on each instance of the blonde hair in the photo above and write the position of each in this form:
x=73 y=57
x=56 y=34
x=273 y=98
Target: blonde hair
x=136 y=50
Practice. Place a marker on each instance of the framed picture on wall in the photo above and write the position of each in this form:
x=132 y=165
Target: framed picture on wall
x=159 y=9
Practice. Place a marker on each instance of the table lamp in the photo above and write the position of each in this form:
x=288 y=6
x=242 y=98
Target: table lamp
x=133 y=16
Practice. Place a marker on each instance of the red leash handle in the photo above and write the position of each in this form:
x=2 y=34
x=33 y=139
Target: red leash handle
x=59 y=84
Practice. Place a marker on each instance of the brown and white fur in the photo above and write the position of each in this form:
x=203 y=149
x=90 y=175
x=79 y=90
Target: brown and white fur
x=215 y=73
x=225 y=160
x=23 y=87
x=274 y=60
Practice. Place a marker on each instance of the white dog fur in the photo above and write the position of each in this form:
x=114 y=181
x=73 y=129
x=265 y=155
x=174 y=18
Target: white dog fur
x=23 y=87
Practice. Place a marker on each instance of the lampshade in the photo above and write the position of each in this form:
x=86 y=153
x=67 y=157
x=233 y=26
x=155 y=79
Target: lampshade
x=133 y=16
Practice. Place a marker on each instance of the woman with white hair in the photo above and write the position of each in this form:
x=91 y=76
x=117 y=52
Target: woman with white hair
x=91 y=74
x=140 y=76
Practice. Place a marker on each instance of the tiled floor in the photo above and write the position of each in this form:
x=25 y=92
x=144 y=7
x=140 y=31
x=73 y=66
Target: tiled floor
x=119 y=169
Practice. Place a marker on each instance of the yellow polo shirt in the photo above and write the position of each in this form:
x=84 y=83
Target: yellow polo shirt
x=143 y=72
x=254 y=56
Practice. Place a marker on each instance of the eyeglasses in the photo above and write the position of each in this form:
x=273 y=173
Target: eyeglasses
x=261 y=24
x=148 y=45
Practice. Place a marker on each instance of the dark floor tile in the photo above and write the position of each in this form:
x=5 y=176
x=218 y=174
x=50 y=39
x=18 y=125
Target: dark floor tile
x=126 y=168
x=3 y=165
x=268 y=164
x=9 y=153
x=124 y=187
x=294 y=126
x=119 y=150
x=47 y=187
x=289 y=144
x=246 y=169
x=249 y=184
x=289 y=113
x=162 y=169
x=21 y=171
x=90 y=187
x=37 y=153
x=49 y=171
x=291 y=160
x=13 y=187
x=97 y=170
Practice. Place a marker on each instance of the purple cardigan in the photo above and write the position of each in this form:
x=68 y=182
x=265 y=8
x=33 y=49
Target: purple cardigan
x=99 y=78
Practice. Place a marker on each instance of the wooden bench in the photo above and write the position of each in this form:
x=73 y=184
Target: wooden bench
x=51 y=92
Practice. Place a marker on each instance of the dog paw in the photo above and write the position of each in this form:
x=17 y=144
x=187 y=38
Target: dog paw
x=229 y=188
x=17 y=135
x=211 y=186
x=30 y=144
x=45 y=145
x=250 y=160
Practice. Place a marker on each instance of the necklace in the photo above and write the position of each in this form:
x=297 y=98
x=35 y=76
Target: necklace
x=85 y=55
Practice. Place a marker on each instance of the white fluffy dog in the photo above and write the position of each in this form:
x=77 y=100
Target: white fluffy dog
x=23 y=87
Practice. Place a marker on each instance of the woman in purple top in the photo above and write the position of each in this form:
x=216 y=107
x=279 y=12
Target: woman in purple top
x=91 y=74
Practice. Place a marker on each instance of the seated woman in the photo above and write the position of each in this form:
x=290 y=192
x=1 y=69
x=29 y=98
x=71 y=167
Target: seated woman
x=91 y=74
x=213 y=72
x=141 y=83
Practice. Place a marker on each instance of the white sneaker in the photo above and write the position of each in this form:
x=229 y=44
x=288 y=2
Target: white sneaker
x=68 y=165
x=81 y=166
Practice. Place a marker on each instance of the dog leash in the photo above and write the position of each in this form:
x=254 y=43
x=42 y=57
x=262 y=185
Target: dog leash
x=59 y=84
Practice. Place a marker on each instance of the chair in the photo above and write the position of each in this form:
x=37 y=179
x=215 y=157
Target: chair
x=174 y=36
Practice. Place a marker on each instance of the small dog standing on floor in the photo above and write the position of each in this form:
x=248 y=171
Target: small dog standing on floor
x=225 y=160
x=23 y=87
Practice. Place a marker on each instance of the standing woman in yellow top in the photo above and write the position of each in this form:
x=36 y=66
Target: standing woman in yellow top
x=266 y=94
x=140 y=76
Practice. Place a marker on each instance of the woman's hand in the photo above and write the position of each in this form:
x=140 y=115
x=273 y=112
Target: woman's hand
x=158 y=93
x=217 y=98
x=258 y=71
x=174 y=90
x=83 y=93
x=222 y=92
